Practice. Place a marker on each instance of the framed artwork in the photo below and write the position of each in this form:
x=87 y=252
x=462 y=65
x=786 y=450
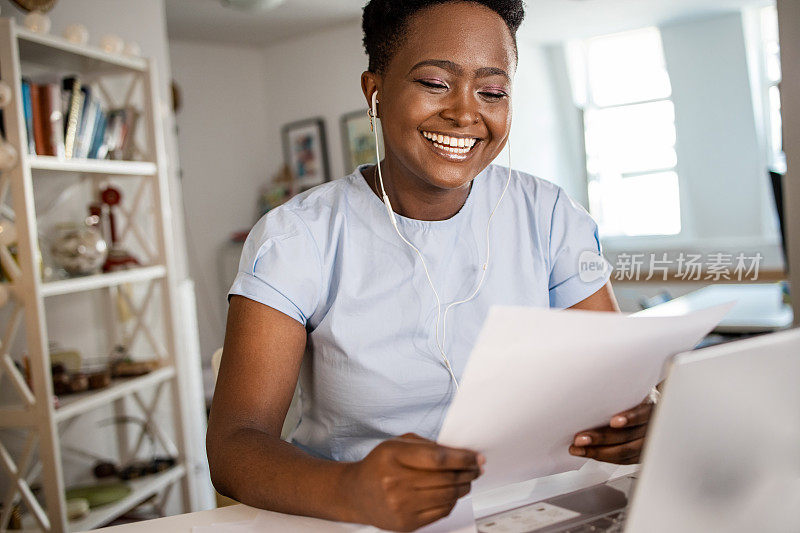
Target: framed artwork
x=305 y=152
x=358 y=140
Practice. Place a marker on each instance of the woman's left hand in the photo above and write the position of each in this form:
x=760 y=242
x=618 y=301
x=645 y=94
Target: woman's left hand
x=619 y=442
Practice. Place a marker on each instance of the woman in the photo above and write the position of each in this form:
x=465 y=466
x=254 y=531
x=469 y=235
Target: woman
x=330 y=273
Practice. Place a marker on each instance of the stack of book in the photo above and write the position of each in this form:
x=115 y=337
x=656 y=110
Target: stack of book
x=67 y=121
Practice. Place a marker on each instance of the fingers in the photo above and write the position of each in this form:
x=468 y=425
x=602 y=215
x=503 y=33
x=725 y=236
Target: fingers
x=443 y=495
x=633 y=417
x=435 y=513
x=609 y=435
x=446 y=479
x=427 y=455
x=626 y=453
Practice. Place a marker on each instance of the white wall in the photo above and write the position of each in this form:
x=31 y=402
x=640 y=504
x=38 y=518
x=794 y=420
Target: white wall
x=720 y=163
x=315 y=76
x=223 y=132
x=543 y=131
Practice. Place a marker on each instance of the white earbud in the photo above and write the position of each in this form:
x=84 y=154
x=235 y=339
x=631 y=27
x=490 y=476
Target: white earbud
x=393 y=220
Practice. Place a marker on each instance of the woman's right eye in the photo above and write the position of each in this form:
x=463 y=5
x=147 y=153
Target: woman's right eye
x=432 y=84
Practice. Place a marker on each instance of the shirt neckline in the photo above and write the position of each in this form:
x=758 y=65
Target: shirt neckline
x=361 y=181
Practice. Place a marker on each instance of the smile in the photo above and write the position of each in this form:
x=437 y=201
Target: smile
x=451 y=147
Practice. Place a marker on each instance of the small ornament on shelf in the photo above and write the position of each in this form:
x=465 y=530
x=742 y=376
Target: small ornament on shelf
x=76 y=34
x=6 y=94
x=118 y=257
x=37 y=22
x=113 y=44
x=8 y=156
x=79 y=249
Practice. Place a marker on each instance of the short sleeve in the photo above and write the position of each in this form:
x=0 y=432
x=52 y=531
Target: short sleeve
x=280 y=266
x=577 y=267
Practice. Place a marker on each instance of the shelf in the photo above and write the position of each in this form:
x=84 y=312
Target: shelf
x=57 y=53
x=47 y=58
x=94 y=166
x=99 y=281
x=142 y=489
x=75 y=404
x=17 y=417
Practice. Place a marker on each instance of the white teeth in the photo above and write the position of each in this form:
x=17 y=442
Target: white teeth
x=453 y=145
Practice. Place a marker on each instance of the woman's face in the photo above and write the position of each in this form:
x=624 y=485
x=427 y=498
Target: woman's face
x=445 y=97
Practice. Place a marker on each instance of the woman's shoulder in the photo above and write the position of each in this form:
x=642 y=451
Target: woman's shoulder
x=324 y=197
x=309 y=214
x=524 y=187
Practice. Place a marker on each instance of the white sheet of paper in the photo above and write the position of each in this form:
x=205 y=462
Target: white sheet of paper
x=538 y=376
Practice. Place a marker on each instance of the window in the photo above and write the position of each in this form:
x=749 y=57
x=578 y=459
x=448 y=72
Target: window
x=772 y=77
x=629 y=122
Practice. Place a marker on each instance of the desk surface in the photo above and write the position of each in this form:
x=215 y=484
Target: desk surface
x=485 y=504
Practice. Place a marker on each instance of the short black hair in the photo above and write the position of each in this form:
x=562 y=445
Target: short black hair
x=385 y=24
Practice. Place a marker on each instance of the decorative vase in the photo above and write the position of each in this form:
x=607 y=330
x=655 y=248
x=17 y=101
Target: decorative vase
x=79 y=249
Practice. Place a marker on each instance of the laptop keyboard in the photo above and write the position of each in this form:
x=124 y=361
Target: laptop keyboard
x=610 y=523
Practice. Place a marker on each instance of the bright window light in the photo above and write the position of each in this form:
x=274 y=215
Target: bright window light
x=629 y=122
x=627 y=67
x=631 y=139
x=772 y=74
x=638 y=205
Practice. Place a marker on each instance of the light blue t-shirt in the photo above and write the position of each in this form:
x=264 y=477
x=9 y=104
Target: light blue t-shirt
x=331 y=259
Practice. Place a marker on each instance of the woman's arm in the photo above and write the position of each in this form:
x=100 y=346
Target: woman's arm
x=602 y=300
x=257 y=377
x=402 y=484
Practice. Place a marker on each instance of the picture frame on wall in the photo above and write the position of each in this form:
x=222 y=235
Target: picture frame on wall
x=358 y=140
x=305 y=152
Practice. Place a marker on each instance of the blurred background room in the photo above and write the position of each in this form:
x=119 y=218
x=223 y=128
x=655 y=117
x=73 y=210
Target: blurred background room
x=661 y=117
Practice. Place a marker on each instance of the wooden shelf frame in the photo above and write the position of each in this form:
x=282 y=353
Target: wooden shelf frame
x=78 y=404
x=101 y=281
x=109 y=167
x=142 y=489
x=21 y=49
x=56 y=53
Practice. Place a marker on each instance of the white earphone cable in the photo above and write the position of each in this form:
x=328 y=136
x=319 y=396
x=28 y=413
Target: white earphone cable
x=393 y=219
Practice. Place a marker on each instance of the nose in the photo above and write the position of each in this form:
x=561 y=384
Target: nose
x=461 y=109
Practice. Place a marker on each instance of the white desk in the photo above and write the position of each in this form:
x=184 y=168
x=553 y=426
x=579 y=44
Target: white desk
x=485 y=504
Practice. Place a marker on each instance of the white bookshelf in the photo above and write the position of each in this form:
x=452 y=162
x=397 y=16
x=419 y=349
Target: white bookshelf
x=23 y=53
x=101 y=281
x=93 y=166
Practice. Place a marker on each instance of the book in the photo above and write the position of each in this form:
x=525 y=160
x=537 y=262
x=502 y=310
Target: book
x=26 y=104
x=85 y=135
x=54 y=120
x=97 y=149
x=38 y=124
x=127 y=141
x=72 y=86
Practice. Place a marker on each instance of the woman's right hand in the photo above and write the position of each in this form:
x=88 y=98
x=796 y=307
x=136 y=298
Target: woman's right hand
x=407 y=482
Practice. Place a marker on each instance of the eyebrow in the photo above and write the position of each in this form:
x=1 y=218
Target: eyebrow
x=482 y=72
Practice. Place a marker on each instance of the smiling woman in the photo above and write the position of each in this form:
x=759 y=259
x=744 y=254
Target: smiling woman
x=346 y=289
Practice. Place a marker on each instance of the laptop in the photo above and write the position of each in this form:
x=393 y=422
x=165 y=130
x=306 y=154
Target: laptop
x=722 y=453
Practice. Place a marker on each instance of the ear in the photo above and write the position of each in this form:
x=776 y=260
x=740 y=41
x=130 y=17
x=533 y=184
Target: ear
x=370 y=82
